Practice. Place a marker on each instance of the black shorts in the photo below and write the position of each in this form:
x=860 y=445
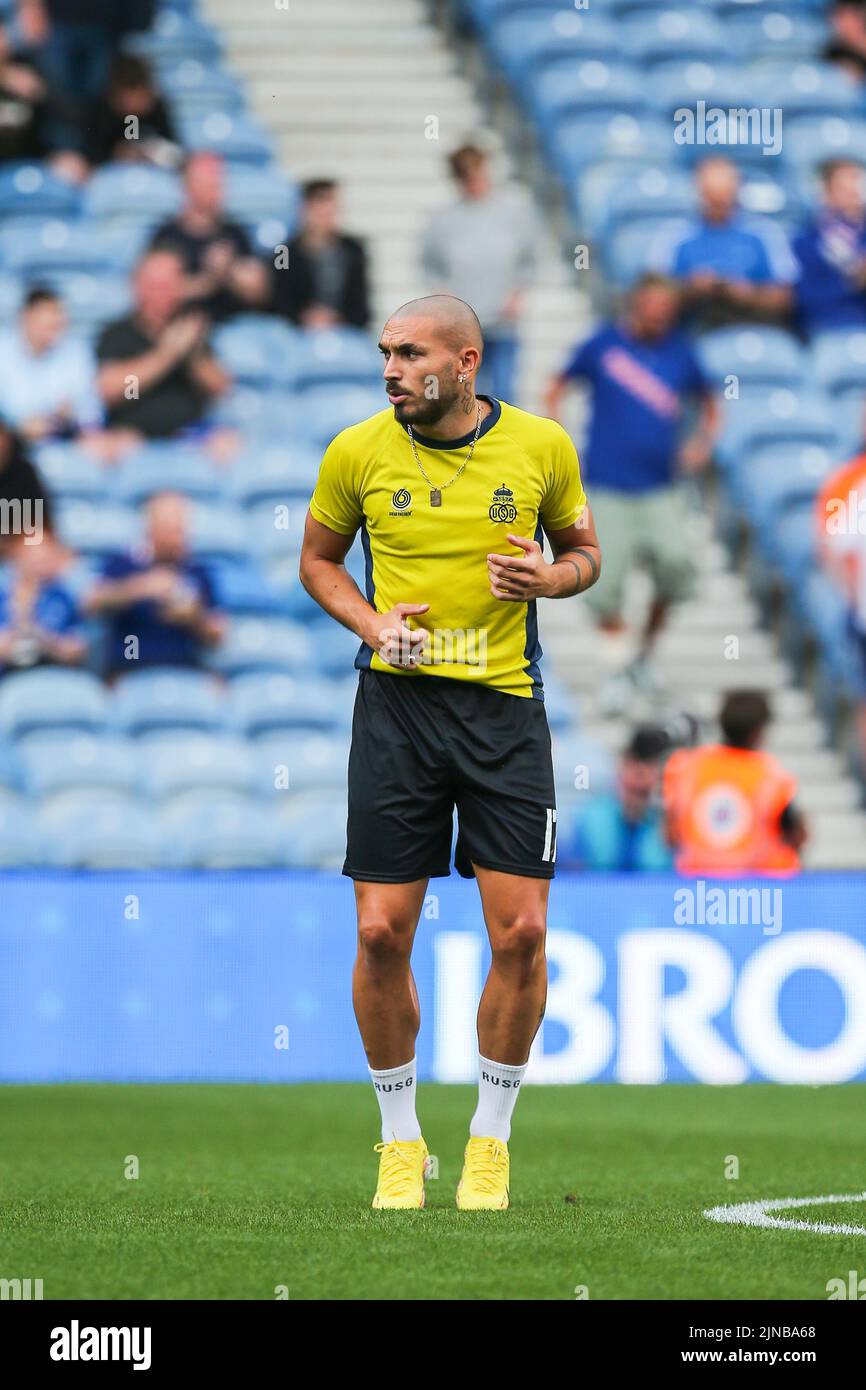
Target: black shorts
x=422 y=745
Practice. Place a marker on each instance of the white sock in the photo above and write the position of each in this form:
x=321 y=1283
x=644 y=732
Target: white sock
x=395 y=1092
x=498 y=1089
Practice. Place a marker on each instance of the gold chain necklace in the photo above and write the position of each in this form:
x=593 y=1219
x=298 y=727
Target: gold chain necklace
x=436 y=492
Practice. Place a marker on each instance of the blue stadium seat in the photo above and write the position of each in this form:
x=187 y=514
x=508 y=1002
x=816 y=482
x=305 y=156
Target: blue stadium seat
x=524 y=42
x=753 y=353
x=53 y=762
x=91 y=300
x=305 y=761
x=591 y=84
x=217 y=531
x=241 y=588
x=579 y=758
x=839 y=360
x=166 y=466
x=97 y=528
x=35 y=247
x=71 y=473
x=789 y=542
x=236 y=137
x=259 y=350
x=324 y=412
x=276 y=528
x=584 y=139
x=662 y=34
x=773 y=33
x=52 y=698
x=314 y=830
x=810 y=140
x=260 y=194
x=98 y=830
x=176 y=35
x=167 y=698
x=626 y=251
x=681 y=82
x=334 y=648
x=181 y=762
x=294 y=601
x=657 y=191
x=806 y=88
x=777 y=476
x=344 y=357
x=192 y=86
x=274 y=474
x=263 y=644
x=121 y=194
x=31 y=190
x=22 y=843
x=262 y=704
x=773 y=416
x=203 y=830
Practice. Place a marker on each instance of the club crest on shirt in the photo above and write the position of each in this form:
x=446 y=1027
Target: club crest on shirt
x=502 y=507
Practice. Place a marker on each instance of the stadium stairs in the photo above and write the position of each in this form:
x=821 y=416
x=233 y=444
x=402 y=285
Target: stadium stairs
x=375 y=93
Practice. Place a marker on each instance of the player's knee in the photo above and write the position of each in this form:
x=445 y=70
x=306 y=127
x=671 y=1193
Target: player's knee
x=520 y=940
x=381 y=940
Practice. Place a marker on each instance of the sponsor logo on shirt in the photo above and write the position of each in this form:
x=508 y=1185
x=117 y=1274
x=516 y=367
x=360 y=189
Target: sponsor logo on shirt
x=401 y=502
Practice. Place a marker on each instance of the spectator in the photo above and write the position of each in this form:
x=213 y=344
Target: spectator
x=324 y=282
x=482 y=248
x=130 y=120
x=642 y=372
x=157 y=374
x=847 y=45
x=40 y=621
x=47 y=379
x=23 y=105
x=840 y=514
x=730 y=806
x=223 y=276
x=23 y=497
x=623 y=830
x=731 y=268
x=158 y=602
x=831 y=254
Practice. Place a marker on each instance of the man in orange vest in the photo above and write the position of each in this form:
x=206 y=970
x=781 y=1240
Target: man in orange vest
x=840 y=515
x=729 y=807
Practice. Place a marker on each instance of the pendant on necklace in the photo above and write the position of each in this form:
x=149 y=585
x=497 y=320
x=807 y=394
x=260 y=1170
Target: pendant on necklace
x=435 y=497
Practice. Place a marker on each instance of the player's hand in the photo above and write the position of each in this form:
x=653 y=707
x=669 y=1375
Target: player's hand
x=396 y=642
x=519 y=578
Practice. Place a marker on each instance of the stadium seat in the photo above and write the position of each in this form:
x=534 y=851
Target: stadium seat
x=773 y=416
x=259 y=350
x=314 y=830
x=754 y=353
x=261 y=704
x=166 y=466
x=588 y=85
x=33 y=248
x=773 y=33
x=71 y=473
x=524 y=42
x=98 y=528
x=260 y=194
x=583 y=139
x=277 y=473
x=323 y=411
x=225 y=831
x=53 y=762
x=305 y=761
x=807 y=88
x=242 y=588
x=661 y=34
x=263 y=644
x=118 y=194
x=235 y=136
x=777 y=476
x=810 y=141
x=193 y=86
x=217 y=531
x=276 y=528
x=181 y=762
x=343 y=357
x=51 y=698
x=167 y=698
x=176 y=35
x=91 y=300
x=30 y=190
x=98 y=830
x=22 y=843
x=839 y=360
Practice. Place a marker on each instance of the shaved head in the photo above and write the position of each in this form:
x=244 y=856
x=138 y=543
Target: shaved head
x=454 y=320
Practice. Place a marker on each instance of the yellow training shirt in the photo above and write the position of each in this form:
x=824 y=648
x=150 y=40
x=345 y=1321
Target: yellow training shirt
x=524 y=472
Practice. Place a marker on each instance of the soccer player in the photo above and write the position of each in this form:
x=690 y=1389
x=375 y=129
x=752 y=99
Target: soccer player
x=450 y=492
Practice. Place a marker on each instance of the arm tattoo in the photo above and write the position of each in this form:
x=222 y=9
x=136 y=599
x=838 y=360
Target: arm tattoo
x=593 y=564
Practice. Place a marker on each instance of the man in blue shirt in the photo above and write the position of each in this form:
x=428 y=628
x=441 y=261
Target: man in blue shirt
x=40 y=621
x=158 y=601
x=730 y=267
x=642 y=373
x=831 y=254
x=624 y=830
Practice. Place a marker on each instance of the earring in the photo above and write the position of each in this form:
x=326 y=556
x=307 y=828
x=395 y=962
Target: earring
x=461 y=377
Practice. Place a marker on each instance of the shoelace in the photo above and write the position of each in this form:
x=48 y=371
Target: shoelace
x=397 y=1166
x=485 y=1164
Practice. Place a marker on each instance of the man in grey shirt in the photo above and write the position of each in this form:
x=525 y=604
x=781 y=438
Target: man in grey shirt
x=482 y=247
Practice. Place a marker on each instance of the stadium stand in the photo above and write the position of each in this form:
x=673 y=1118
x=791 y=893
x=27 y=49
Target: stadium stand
x=242 y=761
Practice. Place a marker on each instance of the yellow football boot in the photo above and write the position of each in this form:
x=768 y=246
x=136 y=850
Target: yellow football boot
x=402 y=1167
x=486 y=1169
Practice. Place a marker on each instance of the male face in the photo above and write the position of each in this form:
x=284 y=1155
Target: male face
x=203 y=181
x=844 y=191
x=638 y=781
x=43 y=324
x=718 y=189
x=322 y=213
x=159 y=286
x=420 y=370
x=167 y=527
x=654 y=311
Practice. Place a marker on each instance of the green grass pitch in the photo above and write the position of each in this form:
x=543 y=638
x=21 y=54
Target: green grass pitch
x=243 y=1189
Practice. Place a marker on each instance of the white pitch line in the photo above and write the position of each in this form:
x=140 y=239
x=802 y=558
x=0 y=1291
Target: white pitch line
x=755 y=1214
